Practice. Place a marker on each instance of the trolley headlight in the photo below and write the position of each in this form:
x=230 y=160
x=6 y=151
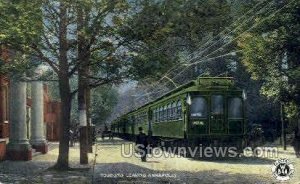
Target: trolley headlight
x=244 y=95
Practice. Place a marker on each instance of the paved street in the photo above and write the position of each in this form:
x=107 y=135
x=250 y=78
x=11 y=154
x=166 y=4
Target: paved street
x=111 y=167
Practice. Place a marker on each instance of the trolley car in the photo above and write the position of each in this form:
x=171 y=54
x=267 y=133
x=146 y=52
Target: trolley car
x=208 y=110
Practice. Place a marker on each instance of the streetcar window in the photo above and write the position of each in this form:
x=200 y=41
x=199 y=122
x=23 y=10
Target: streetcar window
x=217 y=104
x=179 y=109
x=199 y=107
x=235 y=106
x=165 y=113
x=174 y=110
x=153 y=115
x=161 y=114
x=169 y=111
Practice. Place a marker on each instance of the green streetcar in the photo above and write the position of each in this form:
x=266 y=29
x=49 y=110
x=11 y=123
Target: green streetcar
x=207 y=111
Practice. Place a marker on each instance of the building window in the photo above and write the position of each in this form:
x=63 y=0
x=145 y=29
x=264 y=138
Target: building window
x=5 y=103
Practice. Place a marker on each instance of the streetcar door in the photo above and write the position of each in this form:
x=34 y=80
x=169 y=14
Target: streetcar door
x=217 y=115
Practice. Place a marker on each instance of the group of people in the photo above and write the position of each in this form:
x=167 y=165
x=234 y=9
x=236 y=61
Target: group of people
x=105 y=133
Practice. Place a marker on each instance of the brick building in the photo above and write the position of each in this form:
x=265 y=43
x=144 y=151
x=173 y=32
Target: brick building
x=51 y=107
x=52 y=118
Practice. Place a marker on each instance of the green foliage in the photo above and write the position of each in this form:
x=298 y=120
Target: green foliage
x=160 y=30
x=35 y=28
x=20 y=23
x=104 y=100
x=20 y=26
x=271 y=54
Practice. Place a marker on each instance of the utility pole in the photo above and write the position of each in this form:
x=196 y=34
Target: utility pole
x=284 y=67
x=88 y=115
x=82 y=120
x=82 y=85
x=283 y=134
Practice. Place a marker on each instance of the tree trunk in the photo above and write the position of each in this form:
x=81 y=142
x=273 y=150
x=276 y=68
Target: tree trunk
x=64 y=125
x=65 y=92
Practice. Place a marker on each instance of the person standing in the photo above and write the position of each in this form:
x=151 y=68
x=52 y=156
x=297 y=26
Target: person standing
x=71 y=134
x=142 y=143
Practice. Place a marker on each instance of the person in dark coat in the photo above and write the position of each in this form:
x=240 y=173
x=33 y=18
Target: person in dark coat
x=71 y=135
x=141 y=139
x=296 y=142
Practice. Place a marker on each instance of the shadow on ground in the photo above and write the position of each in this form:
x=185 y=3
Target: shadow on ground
x=110 y=173
x=31 y=172
x=130 y=173
x=238 y=160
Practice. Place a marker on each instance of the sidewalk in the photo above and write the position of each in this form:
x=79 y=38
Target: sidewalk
x=36 y=170
x=112 y=167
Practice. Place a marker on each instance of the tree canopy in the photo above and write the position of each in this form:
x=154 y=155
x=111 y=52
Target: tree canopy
x=270 y=53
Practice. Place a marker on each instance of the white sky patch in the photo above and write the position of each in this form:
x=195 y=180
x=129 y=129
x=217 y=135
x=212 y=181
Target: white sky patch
x=41 y=69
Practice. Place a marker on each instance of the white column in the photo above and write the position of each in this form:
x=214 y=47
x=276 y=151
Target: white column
x=37 y=138
x=18 y=146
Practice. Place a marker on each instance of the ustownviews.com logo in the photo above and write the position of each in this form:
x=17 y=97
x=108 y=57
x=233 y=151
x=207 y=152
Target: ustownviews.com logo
x=283 y=169
x=200 y=151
